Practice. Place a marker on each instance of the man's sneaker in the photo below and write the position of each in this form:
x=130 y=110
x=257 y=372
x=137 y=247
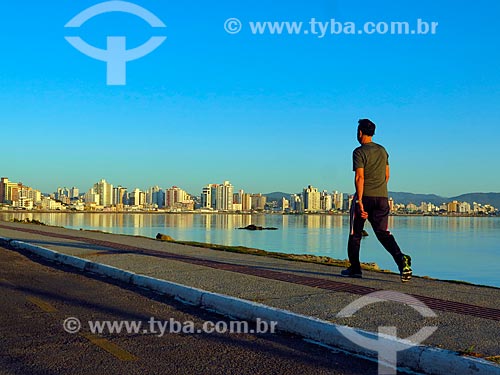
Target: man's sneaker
x=350 y=272
x=405 y=270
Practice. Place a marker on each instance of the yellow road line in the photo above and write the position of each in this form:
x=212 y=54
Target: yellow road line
x=44 y=306
x=111 y=348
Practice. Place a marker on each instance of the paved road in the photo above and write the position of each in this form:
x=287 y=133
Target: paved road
x=35 y=300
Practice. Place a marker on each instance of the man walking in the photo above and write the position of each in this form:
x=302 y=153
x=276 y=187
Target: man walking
x=371 y=167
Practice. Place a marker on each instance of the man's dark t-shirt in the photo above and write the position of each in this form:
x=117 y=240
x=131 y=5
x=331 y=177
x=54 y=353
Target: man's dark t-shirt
x=374 y=159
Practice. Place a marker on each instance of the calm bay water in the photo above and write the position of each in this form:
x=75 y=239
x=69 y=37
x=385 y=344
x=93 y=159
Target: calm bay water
x=453 y=248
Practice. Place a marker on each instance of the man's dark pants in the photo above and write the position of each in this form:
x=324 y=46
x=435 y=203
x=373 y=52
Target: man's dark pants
x=378 y=216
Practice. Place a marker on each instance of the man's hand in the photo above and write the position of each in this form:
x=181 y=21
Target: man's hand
x=364 y=214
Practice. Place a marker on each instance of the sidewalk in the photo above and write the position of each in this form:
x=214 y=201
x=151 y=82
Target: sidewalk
x=468 y=317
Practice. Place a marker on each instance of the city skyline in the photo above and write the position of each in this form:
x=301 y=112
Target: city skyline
x=269 y=112
x=196 y=191
x=223 y=197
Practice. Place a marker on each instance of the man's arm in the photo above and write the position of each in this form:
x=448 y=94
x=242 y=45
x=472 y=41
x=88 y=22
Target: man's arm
x=387 y=173
x=359 y=182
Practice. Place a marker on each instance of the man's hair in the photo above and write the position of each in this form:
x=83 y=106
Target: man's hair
x=366 y=126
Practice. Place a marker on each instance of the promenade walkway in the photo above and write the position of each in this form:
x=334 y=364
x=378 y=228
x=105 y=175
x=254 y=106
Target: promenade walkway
x=468 y=316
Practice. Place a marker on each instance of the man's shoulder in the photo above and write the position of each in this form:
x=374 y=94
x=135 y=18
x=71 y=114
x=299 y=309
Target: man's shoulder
x=368 y=146
x=377 y=146
x=358 y=149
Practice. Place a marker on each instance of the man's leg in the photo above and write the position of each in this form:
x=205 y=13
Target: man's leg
x=379 y=219
x=356 y=233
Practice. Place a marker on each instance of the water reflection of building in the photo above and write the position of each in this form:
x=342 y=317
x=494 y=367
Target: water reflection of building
x=178 y=221
x=75 y=220
x=313 y=221
x=224 y=221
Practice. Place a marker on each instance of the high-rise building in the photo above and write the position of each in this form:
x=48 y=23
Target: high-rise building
x=158 y=196
x=175 y=195
x=213 y=195
x=105 y=191
x=13 y=191
x=206 y=197
x=246 y=202
x=285 y=204
x=453 y=206
x=224 y=197
x=62 y=193
x=120 y=196
x=237 y=206
x=92 y=197
x=296 y=203
x=244 y=199
x=137 y=198
x=259 y=202
x=74 y=193
x=23 y=199
x=35 y=195
x=325 y=201
x=155 y=197
x=3 y=189
x=311 y=199
x=338 y=200
x=347 y=201
x=238 y=197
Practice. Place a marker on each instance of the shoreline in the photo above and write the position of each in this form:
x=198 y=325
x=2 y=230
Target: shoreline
x=146 y=212
x=305 y=258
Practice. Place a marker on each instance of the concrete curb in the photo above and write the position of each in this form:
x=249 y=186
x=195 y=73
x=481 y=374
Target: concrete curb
x=432 y=361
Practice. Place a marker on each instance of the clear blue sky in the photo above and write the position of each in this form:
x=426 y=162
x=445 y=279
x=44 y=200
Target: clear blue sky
x=269 y=113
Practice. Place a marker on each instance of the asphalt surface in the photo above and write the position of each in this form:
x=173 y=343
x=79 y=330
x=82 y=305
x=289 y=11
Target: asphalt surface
x=36 y=298
x=468 y=316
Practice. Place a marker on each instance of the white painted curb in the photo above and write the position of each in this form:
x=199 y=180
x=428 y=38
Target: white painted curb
x=432 y=361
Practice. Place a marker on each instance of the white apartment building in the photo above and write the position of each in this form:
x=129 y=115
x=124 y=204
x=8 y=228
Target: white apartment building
x=312 y=199
x=105 y=191
x=224 y=198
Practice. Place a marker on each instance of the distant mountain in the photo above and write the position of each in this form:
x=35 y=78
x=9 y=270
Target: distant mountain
x=405 y=198
x=483 y=198
x=277 y=196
